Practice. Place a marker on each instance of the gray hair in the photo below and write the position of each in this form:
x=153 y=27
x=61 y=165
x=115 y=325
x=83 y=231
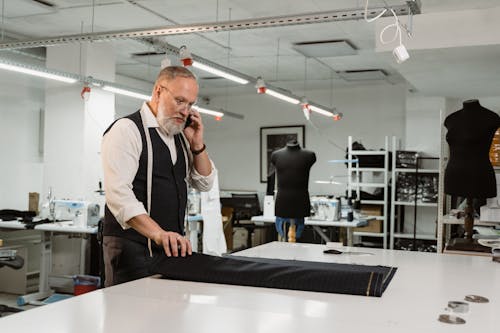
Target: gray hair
x=171 y=72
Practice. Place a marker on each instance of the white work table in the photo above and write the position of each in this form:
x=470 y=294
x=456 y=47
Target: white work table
x=65 y=227
x=418 y=293
x=317 y=224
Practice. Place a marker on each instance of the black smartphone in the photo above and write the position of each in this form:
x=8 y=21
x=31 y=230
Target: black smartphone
x=188 y=121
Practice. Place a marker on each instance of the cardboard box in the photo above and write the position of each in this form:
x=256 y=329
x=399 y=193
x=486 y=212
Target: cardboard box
x=373 y=225
x=33 y=201
x=371 y=210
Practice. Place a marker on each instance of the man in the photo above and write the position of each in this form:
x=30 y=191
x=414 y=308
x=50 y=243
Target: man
x=148 y=159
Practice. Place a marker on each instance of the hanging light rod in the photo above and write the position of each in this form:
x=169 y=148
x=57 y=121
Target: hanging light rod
x=218 y=72
x=104 y=85
x=34 y=71
x=214 y=113
x=287 y=98
x=405 y=8
x=212 y=68
x=126 y=92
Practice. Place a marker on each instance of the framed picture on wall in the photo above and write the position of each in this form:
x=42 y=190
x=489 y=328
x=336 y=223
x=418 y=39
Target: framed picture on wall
x=274 y=138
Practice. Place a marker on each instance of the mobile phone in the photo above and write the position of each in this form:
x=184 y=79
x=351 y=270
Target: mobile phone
x=188 y=121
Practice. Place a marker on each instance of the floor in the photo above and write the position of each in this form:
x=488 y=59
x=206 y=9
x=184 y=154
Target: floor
x=11 y=300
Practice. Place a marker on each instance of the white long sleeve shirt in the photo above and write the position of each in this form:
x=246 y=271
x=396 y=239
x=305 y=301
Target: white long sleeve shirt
x=120 y=151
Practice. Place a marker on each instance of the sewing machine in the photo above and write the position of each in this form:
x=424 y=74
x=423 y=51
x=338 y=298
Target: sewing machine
x=82 y=213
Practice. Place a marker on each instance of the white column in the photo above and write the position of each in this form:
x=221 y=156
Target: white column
x=74 y=127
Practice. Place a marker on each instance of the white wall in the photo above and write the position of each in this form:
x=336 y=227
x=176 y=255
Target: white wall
x=370 y=113
x=21 y=98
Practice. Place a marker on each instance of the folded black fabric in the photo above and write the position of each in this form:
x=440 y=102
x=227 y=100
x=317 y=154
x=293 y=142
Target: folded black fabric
x=12 y=215
x=276 y=273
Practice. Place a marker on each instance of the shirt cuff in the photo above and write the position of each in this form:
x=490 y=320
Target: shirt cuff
x=203 y=183
x=129 y=212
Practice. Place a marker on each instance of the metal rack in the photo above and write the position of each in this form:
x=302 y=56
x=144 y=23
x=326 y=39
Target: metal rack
x=358 y=183
x=398 y=206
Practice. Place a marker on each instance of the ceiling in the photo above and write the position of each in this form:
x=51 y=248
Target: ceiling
x=266 y=52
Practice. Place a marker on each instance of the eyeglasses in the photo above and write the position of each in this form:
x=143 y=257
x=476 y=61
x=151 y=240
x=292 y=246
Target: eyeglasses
x=181 y=102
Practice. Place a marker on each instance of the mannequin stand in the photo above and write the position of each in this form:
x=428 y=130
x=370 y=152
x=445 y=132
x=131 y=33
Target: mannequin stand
x=467 y=243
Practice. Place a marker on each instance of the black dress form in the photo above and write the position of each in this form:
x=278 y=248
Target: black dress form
x=469 y=172
x=292 y=169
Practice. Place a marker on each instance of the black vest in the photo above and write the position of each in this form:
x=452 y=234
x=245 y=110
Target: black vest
x=169 y=187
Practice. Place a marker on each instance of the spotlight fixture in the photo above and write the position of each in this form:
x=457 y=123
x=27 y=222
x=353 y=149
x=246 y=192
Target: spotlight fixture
x=185 y=56
x=260 y=85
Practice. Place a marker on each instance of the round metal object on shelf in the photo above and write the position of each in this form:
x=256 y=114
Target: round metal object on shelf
x=476 y=299
x=451 y=319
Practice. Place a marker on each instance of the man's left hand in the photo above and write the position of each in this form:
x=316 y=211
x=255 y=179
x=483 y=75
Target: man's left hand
x=194 y=132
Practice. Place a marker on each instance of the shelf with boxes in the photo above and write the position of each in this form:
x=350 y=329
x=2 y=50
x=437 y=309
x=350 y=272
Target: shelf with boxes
x=369 y=170
x=414 y=194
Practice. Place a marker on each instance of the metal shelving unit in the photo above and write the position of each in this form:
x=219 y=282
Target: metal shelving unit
x=396 y=206
x=358 y=183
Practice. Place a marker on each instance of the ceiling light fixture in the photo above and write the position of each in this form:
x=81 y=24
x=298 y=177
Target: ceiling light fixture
x=125 y=92
x=220 y=73
x=262 y=88
x=216 y=114
x=282 y=96
x=187 y=60
x=46 y=74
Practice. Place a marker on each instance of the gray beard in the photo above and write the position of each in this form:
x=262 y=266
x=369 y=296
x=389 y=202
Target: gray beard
x=169 y=125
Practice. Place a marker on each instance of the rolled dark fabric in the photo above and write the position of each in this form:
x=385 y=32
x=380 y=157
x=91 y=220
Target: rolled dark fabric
x=276 y=273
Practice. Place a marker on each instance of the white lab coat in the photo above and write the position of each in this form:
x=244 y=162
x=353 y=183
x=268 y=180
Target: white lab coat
x=214 y=241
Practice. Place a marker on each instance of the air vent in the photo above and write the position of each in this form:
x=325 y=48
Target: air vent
x=328 y=48
x=363 y=75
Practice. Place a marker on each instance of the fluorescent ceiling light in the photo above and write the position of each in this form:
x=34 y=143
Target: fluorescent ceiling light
x=210 y=112
x=218 y=72
x=320 y=111
x=282 y=97
x=327 y=182
x=126 y=92
x=38 y=73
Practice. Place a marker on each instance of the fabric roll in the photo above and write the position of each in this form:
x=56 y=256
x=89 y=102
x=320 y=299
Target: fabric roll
x=276 y=273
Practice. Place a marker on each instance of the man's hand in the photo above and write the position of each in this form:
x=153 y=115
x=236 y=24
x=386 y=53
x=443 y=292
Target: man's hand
x=172 y=242
x=194 y=132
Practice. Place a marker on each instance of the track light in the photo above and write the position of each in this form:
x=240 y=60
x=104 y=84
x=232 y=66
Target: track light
x=218 y=72
x=185 y=56
x=260 y=85
x=44 y=73
x=187 y=60
x=263 y=89
x=281 y=96
x=216 y=114
x=125 y=92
